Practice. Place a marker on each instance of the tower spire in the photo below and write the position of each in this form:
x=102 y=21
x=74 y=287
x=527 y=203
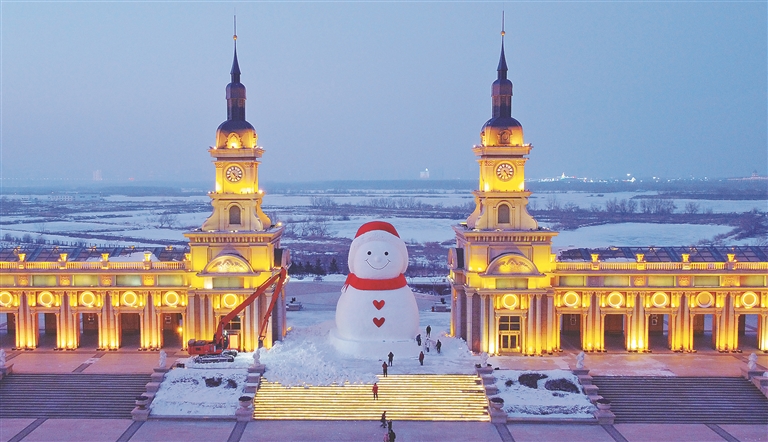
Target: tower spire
x=502 y=69
x=235 y=72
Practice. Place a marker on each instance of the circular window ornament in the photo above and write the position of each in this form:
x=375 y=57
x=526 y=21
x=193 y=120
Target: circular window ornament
x=660 y=299
x=6 y=299
x=571 y=299
x=229 y=300
x=510 y=302
x=129 y=299
x=749 y=299
x=705 y=299
x=615 y=299
x=45 y=299
x=171 y=299
x=87 y=299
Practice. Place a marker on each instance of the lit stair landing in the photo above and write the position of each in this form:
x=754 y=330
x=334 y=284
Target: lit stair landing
x=404 y=397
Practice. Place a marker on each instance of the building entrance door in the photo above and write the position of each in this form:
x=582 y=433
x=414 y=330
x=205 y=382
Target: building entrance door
x=509 y=334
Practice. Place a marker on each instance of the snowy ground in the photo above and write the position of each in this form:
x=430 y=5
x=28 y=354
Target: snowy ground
x=523 y=401
x=307 y=357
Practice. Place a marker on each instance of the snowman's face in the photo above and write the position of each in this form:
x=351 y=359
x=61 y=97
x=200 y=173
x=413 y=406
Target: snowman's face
x=379 y=260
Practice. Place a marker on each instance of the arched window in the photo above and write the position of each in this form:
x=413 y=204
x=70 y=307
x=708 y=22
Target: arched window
x=234 y=215
x=503 y=214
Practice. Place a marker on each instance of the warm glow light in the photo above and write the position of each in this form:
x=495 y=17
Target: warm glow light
x=171 y=299
x=5 y=299
x=87 y=299
x=615 y=299
x=749 y=299
x=45 y=299
x=659 y=299
x=129 y=299
x=180 y=329
x=510 y=301
x=705 y=299
x=229 y=300
x=571 y=299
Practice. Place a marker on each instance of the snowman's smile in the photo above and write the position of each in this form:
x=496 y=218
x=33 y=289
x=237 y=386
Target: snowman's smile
x=377 y=268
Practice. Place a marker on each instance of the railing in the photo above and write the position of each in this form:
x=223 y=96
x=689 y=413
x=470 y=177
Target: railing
x=93 y=265
x=659 y=266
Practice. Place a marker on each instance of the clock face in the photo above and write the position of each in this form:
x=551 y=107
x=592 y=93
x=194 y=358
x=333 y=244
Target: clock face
x=505 y=171
x=234 y=173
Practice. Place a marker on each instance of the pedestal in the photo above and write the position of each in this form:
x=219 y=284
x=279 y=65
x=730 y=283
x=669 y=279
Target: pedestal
x=257 y=368
x=604 y=417
x=749 y=374
x=140 y=415
x=244 y=414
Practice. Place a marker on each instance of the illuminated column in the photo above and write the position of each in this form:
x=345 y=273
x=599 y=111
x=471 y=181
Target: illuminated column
x=762 y=330
x=250 y=327
x=26 y=322
x=552 y=324
x=484 y=323
x=468 y=322
x=539 y=318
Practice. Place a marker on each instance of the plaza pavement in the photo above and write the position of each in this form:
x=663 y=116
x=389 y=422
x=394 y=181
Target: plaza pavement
x=705 y=363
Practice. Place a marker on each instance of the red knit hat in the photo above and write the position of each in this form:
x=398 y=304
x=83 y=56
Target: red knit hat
x=376 y=225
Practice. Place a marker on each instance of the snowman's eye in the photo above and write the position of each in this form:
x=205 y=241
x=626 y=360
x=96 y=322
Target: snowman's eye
x=386 y=253
x=369 y=252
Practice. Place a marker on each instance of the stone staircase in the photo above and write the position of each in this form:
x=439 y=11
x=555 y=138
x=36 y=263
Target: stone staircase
x=705 y=400
x=404 y=397
x=70 y=396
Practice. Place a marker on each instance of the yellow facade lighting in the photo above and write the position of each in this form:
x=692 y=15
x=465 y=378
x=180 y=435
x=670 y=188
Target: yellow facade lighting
x=571 y=299
x=87 y=299
x=6 y=299
x=660 y=299
x=45 y=299
x=615 y=300
x=171 y=299
x=510 y=302
x=704 y=299
x=129 y=299
x=230 y=300
x=749 y=299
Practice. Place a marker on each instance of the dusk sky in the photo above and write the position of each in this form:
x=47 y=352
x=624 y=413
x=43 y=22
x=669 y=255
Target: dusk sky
x=383 y=90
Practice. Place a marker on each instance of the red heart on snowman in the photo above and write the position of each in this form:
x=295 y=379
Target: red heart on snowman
x=378 y=304
x=378 y=321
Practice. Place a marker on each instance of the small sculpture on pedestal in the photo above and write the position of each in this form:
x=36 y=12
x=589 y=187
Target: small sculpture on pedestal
x=580 y=361
x=2 y=357
x=752 y=362
x=163 y=355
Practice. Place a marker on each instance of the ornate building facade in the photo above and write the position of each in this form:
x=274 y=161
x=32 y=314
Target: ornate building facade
x=511 y=294
x=160 y=293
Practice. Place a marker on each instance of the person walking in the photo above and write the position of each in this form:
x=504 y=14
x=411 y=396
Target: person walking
x=429 y=330
x=418 y=339
x=391 y=356
x=375 y=390
x=389 y=426
x=384 y=419
x=421 y=357
x=438 y=345
x=384 y=368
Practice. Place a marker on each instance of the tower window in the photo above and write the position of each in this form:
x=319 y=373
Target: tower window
x=234 y=215
x=503 y=214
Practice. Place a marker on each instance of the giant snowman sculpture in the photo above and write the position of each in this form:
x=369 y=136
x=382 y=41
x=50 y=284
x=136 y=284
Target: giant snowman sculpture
x=377 y=312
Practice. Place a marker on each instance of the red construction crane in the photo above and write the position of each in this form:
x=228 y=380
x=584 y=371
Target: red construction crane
x=216 y=350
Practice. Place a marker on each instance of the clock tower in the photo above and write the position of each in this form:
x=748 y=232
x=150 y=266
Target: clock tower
x=500 y=268
x=237 y=248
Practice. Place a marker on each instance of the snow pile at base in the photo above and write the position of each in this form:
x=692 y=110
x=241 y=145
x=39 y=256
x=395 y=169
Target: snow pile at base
x=307 y=357
x=522 y=401
x=185 y=392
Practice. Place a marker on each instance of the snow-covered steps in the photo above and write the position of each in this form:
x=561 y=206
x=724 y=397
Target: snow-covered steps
x=436 y=397
x=707 y=400
x=70 y=396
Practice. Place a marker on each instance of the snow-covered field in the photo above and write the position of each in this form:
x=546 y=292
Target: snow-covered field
x=136 y=227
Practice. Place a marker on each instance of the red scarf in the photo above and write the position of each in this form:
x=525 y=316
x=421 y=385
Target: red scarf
x=375 y=284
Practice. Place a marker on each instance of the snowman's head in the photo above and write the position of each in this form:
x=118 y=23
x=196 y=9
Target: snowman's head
x=377 y=252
